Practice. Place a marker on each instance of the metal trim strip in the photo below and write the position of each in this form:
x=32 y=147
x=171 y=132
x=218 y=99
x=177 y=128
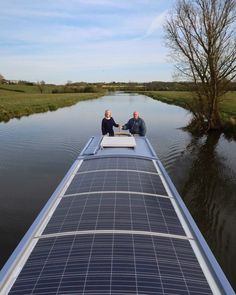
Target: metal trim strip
x=113 y=170
x=117 y=192
x=130 y=232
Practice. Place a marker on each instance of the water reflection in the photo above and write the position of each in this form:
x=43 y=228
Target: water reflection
x=210 y=194
x=37 y=151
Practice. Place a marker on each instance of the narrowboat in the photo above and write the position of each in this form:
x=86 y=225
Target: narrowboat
x=115 y=225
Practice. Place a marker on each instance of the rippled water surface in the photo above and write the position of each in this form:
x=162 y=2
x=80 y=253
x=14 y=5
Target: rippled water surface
x=37 y=151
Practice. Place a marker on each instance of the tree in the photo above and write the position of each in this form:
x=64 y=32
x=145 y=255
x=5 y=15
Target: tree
x=202 y=37
x=41 y=86
x=1 y=78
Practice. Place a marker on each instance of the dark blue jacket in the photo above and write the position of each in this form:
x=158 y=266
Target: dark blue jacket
x=136 y=126
x=107 y=126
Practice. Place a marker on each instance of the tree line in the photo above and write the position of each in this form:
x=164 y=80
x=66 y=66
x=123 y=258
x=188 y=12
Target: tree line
x=84 y=87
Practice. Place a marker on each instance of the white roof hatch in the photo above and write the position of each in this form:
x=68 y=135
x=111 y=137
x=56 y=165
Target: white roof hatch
x=119 y=141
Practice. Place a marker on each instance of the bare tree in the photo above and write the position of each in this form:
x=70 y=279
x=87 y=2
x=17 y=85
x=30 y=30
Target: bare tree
x=1 y=78
x=41 y=86
x=202 y=37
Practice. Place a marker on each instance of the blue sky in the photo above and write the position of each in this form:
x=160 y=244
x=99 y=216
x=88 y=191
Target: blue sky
x=84 y=40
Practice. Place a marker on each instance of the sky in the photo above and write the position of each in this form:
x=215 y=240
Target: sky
x=84 y=40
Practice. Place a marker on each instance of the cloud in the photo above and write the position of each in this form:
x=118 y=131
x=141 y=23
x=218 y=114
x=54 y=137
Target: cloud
x=105 y=5
x=100 y=61
x=86 y=31
x=156 y=24
x=59 y=68
x=61 y=38
x=32 y=13
x=61 y=35
x=113 y=3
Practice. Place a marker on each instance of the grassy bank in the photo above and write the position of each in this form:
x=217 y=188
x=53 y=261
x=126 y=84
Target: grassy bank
x=15 y=104
x=21 y=88
x=182 y=98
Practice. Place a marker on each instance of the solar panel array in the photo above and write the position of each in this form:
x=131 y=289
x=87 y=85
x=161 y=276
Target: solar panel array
x=125 y=211
x=117 y=181
x=115 y=211
x=111 y=264
x=117 y=163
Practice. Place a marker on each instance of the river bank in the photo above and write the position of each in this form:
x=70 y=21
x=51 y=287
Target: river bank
x=183 y=98
x=17 y=104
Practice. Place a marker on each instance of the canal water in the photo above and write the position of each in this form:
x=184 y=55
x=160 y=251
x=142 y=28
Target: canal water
x=37 y=151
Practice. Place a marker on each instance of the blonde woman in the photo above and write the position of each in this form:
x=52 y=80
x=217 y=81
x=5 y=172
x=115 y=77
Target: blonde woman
x=108 y=123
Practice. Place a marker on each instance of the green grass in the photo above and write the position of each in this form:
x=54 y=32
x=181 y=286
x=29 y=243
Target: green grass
x=228 y=106
x=17 y=104
x=180 y=98
x=183 y=98
x=4 y=88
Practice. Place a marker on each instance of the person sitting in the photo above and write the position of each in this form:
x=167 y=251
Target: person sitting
x=108 y=123
x=135 y=125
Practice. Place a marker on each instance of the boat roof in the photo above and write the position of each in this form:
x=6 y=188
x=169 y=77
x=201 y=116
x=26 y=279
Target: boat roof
x=115 y=225
x=130 y=146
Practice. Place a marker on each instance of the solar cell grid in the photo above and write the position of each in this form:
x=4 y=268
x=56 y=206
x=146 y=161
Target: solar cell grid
x=116 y=181
x=117 y=163
x=111 y=264
x=107 y=211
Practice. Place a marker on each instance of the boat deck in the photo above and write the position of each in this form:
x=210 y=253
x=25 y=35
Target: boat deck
x=115 y=225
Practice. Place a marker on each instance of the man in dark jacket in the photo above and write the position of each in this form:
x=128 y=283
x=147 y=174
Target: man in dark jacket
x=136 y=125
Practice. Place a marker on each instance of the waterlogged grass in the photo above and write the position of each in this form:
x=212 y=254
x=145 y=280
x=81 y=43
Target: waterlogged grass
x=18 y=104
x=183 y=98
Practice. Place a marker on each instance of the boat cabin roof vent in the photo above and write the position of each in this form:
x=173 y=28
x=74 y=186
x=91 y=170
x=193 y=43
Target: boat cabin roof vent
x=118 y=142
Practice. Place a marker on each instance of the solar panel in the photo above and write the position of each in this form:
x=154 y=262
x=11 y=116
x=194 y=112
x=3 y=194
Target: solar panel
x=117 y=181
x=118 y=163
x=107 y=211
x=114 y=231
x=111 y=264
